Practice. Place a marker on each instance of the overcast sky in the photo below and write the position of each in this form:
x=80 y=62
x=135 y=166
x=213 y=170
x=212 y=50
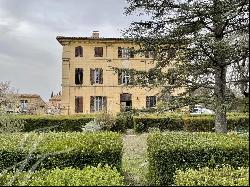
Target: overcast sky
x=30 y=56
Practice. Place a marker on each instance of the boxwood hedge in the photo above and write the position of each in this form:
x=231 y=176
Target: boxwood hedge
x=225 y=176
x=171 y=151
x=89 y=176
x=50 y=150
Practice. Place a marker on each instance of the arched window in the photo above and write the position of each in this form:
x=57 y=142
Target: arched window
x=78 y=51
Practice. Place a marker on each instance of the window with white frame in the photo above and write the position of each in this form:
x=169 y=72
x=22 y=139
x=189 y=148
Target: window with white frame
x=125 y=78
x=98 y=103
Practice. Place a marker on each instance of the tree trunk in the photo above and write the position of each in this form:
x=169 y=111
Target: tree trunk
x=220 y=105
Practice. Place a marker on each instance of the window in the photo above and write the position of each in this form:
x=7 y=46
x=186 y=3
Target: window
x=24 y=105
x=98 y=51
x=78 y=51
x=149 y=54
x=123 y=78
x=78 y=76
x=98 y=103
x=125 y=52
x=150 y=101
x=96 y=76
x=78 y=104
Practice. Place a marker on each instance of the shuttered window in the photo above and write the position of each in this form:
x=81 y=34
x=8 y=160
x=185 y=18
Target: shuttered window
x=98 y=51
x=149 y=54
x=96 y=76
x=98 y=103
x=123 y=77
x=78 y=76
x=150 y=101
x=78 y=51
x=125 y=52
x=78 y=104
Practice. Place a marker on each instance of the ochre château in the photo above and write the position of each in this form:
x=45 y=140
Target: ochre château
x=89 y=83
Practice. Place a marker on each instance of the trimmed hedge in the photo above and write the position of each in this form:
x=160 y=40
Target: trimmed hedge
x=199 y=123
x=226 y=176
x=89 y=176
x=142 y=124
x=55 y=123
x=171 y=151
x=51 y=150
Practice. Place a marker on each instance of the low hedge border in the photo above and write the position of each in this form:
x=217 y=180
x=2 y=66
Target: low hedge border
x=51 y=150
x=225 y=176
x=171 y=151
x=89 y=176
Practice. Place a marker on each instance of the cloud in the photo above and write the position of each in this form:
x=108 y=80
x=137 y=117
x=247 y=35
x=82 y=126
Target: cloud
x=30 y=56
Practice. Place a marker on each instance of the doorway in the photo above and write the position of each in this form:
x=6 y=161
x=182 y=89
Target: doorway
x=126 y=102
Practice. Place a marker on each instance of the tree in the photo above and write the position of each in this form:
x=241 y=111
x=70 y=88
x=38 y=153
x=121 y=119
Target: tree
x=201 y=40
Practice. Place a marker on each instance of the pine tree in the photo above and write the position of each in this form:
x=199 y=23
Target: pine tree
x=204 y=41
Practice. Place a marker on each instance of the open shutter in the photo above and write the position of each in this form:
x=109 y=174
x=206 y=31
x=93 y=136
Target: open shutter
x=105 y=103
x=147 y=101
x=146 y=54
x=81 y=51
x=80 y=110
x=76 y=52
x=81 y=76
x=76 y=76
x=119 y=52
x=119 y=77
x=101 y=51
x=131 y=51
x=76 y=105
x=92 y=104
x=101 y=75
x=92 y=74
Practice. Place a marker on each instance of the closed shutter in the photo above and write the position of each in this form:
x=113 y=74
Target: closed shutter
x=119 y=52
x=147 y=101
x=101 y=76
x=105 y=103
x=78 y=104
x=100 y=51
x=119 y=77
x=146 y=54
x=92 y=74
x=92 y=104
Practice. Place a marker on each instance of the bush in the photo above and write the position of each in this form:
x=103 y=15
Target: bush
x=226 y=176
x=89 y=176
x=198 y=123
x=171 y=151
x=53 y=123
x=125 y=121
x=50 y=150
x=142 y=124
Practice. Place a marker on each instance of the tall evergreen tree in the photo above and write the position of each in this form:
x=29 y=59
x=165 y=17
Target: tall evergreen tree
x=203 y=40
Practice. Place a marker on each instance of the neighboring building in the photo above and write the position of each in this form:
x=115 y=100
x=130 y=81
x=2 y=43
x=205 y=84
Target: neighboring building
x=54 y=104
x=89 y=83
x=31 y=104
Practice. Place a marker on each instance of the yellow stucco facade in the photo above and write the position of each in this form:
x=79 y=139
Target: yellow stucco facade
x=109 y=87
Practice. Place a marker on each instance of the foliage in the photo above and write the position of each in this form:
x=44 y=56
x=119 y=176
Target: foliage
x=195 y=45
x=106 y=121
x=88 y=176
x=49 y=150
x=171 y=151
x=226 y=176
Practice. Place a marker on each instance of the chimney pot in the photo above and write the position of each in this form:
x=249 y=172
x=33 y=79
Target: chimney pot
x=95 y=34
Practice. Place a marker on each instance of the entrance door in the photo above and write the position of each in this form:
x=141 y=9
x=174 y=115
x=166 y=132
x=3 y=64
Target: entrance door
x=126 y=102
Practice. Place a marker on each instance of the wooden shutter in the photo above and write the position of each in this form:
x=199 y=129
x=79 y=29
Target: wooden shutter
x=76 y=76
x=101 y=75
x=119 y=52
x=92 y=74
x=146 y=54
x=147 y=101
x=119 y=77
x=80 y=51
x=78 y=104
x=105 y=103
x=92 y=104
x=76 y=52
x=101 y=51
x=81 y=76
x=131 y=51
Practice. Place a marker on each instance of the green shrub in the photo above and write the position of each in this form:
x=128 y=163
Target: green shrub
x=89 y=176
x=142 y=124
x=50 y=150
x=226 y=176
x=171 y=151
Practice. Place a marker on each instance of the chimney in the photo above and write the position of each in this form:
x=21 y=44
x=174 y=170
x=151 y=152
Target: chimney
x=95 y=34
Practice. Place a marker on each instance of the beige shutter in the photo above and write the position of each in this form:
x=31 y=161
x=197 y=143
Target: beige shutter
x=92 y=74
x=92 y=105
x=101 y=76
